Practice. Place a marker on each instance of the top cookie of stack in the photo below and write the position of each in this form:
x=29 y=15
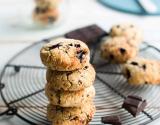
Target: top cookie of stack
x=65 y=55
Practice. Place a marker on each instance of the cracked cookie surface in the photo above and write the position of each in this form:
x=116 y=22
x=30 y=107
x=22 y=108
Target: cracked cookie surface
x=139 y=71
x=118 y=49
x=129 y=31
x=71 y=115
x=71 y=80
x=65 y=54
x=69 y=98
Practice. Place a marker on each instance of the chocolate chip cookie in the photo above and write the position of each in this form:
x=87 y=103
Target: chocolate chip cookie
x=71 y=115
x=71 y=80
x=140 y=71
x=69 y=98
x=130 y=31
x=118 y=49
x=65 y=54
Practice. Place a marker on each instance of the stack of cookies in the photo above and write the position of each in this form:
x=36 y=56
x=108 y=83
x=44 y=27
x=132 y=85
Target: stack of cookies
x=70 y=79
x=46 y=11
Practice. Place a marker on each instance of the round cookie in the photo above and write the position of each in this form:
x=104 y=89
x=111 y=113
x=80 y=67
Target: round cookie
x=69 y=98
x=140 y=71
x=118 y=49
x=45 y=4
x=45 y=16
x=71 y=115
x=129 y=31
x=65 y=54
x=71 y=80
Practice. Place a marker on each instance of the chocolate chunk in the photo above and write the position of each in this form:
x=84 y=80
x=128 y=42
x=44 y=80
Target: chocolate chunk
x=54 y=46
x=134 y=63
x=114 y=120
x=40 y=10
x=70 y=44
x=122 y=50
x=77 y=45
x=144 y=66
x=80 y=55
x=135 y=97
x=111 y=57
x=51 y=19
x=134 y=104
x=118 y=26
x=85 y=67
x=89 y=34
x=128 y=74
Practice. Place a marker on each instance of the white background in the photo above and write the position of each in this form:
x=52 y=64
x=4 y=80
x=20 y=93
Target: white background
x=15 y=34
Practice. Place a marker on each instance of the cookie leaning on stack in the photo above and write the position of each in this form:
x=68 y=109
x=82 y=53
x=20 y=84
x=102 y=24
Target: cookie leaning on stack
x=70 y=80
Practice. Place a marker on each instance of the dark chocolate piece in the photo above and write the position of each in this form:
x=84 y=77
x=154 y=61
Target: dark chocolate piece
x=80 y=55
x=144 y=66
x=89 y=34
x=40 y=10
x=128 y=74
x=134 y=63
x=54 y=46
x=111 y=57
x=134 y=104
x=122 y=50
x=114 y=120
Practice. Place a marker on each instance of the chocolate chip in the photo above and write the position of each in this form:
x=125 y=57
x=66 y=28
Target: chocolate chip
x=134 y=63
x=128 y=74
x=144 y=66
x=80 y=55
x=85 y=67
x=70 y=44
x=77 y=45
x=118 y=26
x=111 y=57
x=74 y=118
x=146 y=82
x=51 y=19
x=114 y=120
x=122 y=50
x=40 y=10
x=54 y=46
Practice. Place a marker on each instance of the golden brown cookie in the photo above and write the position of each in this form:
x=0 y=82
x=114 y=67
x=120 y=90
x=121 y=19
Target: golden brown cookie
x=71 y=116
x=130 y=31
x=139 y=71
x=69 y=98
x=71 y=80
x=65 y=54
x=118 y=49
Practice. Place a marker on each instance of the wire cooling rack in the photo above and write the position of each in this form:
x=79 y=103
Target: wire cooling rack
x=22 y=84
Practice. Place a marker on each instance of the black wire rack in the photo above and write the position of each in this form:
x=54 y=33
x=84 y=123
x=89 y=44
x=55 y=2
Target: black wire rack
x=22 y=84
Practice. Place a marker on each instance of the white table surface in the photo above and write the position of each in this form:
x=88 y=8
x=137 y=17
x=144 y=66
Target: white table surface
x=80 y=13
